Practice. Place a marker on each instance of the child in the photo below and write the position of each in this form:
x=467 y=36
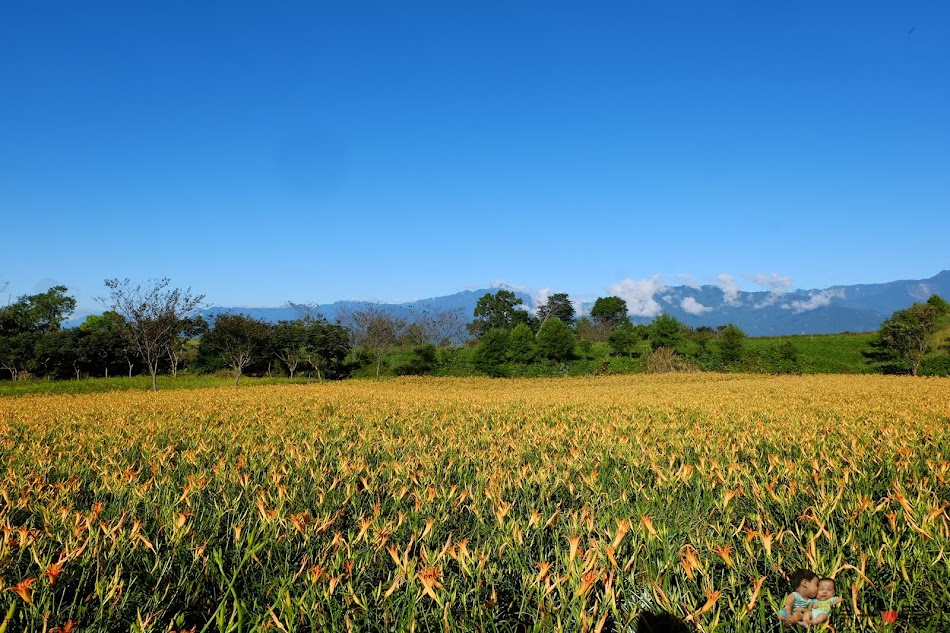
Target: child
x=797 y=603
x=821 y=605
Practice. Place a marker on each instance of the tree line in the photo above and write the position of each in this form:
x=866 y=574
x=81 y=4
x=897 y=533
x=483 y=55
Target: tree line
x=509 y=337
x=152 y=328
x=155 y=328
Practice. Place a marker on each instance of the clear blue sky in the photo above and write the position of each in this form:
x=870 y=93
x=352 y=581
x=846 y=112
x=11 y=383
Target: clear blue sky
x=318 y=151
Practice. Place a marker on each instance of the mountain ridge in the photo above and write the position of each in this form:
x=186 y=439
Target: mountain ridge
x=841 y=308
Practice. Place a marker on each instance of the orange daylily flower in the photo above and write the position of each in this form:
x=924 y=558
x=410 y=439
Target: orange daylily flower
x=23 y=590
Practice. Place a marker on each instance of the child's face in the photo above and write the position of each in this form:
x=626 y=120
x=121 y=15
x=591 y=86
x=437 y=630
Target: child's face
x=826 y=590
x=809 y=588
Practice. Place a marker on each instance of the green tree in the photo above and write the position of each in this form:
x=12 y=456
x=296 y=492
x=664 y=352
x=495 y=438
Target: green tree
x=783 y=358
x=151 y=315
x=289 y=338
x=238 y=339
x=731 y=344
x=60 y=354
x=491 y=352
x=521 y=346
x=498 y=311
x=105 y=348
x=326 y=347
x=557 y=306
x=16 y=353
x=24 y=322
x=39 y=313
x=611 y=311
x=425 y=358
x=906 y=337
x=623 y=339
x=665 y=331
x=556 y=340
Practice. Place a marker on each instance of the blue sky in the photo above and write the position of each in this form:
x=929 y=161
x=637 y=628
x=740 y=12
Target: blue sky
x=318 y=151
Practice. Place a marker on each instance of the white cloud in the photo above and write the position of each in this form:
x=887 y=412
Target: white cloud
x=539 y=297
x=730 y=289
x=691 y=306
x=689 y=281
x=775 y=282
x=777 y=285
x=639 y=295
x=815 y=300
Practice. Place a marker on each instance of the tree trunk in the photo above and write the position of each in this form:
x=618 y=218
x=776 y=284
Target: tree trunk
x=153 y=369
x=131 y=365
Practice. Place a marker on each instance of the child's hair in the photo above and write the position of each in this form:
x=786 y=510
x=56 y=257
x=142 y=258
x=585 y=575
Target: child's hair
x=834 y=585
x=801 y=575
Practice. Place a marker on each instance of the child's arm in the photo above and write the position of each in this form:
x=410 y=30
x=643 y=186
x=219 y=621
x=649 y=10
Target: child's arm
x=789 y=603
x=834 y=600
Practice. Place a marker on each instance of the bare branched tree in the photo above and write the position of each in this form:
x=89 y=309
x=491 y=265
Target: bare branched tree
x=151 y=314
x=440 y=326
x=375 y=329
x=178 y=345
x=290 y=339
x=306 y=310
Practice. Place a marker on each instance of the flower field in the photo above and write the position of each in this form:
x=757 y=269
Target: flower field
x=467 y=504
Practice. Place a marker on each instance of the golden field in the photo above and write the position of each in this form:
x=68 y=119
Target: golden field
x=465 y=504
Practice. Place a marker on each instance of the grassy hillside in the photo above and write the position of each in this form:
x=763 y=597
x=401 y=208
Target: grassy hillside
x=817 y=354
x=825 y=353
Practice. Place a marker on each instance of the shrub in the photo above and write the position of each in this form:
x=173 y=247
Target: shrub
x=665 y=360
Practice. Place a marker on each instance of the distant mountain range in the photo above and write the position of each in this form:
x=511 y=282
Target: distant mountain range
x=857 y=308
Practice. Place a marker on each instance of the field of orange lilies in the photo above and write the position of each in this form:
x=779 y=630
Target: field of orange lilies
x=476 y=504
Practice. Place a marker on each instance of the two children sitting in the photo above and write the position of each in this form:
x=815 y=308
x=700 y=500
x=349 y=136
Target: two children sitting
x=811 y=601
